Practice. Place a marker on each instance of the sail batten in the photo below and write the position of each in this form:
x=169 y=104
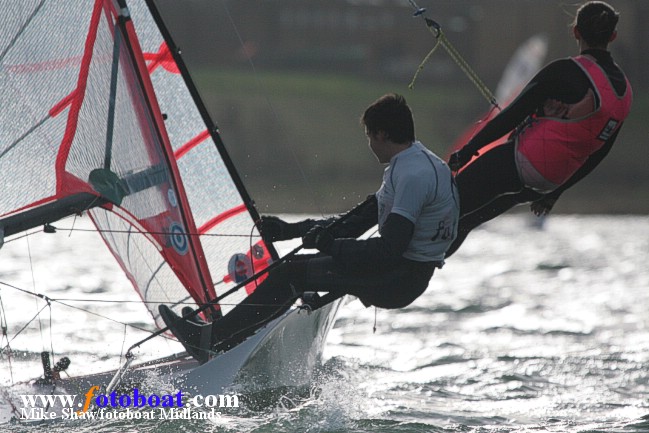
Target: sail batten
x=21 y=30
x=200 y=138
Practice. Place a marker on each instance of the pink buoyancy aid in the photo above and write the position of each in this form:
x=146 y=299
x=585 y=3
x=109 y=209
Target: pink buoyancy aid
x=556 y=147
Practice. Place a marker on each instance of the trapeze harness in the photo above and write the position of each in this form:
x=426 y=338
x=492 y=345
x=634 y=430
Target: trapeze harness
x=550 y=150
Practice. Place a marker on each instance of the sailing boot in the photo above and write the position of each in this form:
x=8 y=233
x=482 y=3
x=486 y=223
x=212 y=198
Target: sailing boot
x=194 y=337
x=262 y=306
x=271 y=299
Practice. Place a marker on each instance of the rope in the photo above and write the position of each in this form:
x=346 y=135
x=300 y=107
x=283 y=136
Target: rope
x=125 y=301
x=422 y=64
x=121 y=353
x=49 y=302
x=442 y=40
x=161 y=233
x=470 y=73
x=375 y=317
x=31 y=268
x=60 y=302
x=24 y=327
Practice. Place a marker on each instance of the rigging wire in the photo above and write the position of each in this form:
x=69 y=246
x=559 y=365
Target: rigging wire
x=49 y=305
x=61 y=302
x=253 y=67
x=51 y=336
x=5 y=336
x=121 y=352
x=37 y=315
x=442 y=40
x=161 y=233
x=20 y=32
x=31 y=268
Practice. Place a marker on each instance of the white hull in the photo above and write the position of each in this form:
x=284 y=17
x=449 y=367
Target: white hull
x=284 y=353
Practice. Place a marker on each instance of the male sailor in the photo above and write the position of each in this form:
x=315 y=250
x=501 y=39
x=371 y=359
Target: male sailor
x=565 y=122
x=416 y=209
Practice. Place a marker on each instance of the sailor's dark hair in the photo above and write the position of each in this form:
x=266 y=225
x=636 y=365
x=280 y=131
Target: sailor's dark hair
x=390 y=114
x=596 y=22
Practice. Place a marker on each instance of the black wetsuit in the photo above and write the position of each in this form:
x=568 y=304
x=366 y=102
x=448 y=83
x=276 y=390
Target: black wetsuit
x=491 y=185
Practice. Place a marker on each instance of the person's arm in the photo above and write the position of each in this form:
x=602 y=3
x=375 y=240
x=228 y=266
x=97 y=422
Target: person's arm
x=383 y=250
x=526 y=103
x=355 y=222
x=561 y=80
x=358 y=220
x=411 y=193
x=505 y=122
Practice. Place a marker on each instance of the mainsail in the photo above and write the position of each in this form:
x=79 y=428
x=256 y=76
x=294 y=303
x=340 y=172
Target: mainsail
x=100 y=114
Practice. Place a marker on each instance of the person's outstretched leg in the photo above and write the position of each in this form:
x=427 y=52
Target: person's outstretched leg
x=492 y=175
x=271 y=299
x=488 y=212
x=385 y=288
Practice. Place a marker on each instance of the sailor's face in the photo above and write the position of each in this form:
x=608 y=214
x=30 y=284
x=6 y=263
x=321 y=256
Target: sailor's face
x=376 y=143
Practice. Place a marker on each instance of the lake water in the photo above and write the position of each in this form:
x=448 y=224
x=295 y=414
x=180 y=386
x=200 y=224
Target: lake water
x=524 y=330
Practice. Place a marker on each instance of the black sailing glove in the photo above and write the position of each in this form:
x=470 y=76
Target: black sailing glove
x=319 y=238
x=275 y=229
x=460 y=158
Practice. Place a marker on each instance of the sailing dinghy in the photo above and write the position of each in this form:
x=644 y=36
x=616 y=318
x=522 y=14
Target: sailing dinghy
x=101 y=116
